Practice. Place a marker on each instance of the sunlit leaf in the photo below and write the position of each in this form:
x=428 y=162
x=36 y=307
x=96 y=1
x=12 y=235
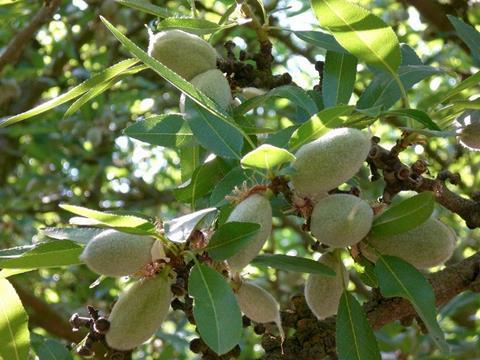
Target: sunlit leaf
x=14 y=334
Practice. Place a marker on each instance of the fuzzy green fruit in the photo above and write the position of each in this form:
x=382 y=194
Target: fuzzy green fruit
x=255 y=208
x=139 y=313
x=258 y=304
x=186 y=54
x=329 y=161
x=323 y=293
x=114 y=253
x=429 y=244
x=341 y=220
x=213 y=84
x=470 y=136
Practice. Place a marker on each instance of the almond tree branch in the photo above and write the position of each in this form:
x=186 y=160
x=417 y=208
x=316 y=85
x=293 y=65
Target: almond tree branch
x=20 y=41
x=400 y=177
x=315 y=340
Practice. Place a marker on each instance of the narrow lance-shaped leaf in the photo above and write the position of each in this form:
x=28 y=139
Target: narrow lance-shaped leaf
x=169 y=130
x=179 y=229
x=127 y=222
x=292 y=263
x=101 y=88
x=321 y=40
x=100 y=78
x=354 y=336
x=398 y=278
x=339 y=75
x=469 y=35
x=230 y=238
x=319 y=124
x=147 y=7
x=384 y=90
x=363 y=34
x=469 y=82
x=404 y=216
x=43 y=255
x=215 y=309
x=417 y=115
x=295 y=94
x=14 y=334
x=222 y=138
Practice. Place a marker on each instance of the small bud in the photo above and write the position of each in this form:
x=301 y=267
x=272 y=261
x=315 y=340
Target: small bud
x=101 y=325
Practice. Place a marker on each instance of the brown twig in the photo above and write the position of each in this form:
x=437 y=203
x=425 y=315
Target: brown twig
x=400 y=177
x=20 y=41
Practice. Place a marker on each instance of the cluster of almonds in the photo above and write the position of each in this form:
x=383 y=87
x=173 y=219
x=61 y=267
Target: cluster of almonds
x=343 y=220
x=338 y=221
x=195 y=60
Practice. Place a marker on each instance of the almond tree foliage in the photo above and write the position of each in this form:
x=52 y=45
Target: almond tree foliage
x=136 y=196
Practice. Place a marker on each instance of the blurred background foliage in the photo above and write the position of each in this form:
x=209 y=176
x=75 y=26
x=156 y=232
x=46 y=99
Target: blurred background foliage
x=86 y=160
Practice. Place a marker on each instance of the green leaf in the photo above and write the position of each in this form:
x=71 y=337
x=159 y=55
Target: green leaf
x=469 y=82
x=189 y=161
x=292 y=263
x=147 y=7
x=129 y=223
x=202 y=182
x=173 y=78
x=418 y=115
x=100 y=88
x=361 y=33
x=354 y=336
x=43 y=255
x=319 y=124
x=215 y=309
x=398 y=278
x=179 y=229
x=295 y=94
x=404 y=216
x=14 y=334
x=267 y=157
x=78 y=235
x=192 y=25
x=281 y=137
x=169 y=130
x=384 y=90
x=100 y=78
x=222 y=138
x=229 y=238
x=469 y=35
x=321 y=40
x=49 y=349
x=339 y=75
x=234 y=177
x=366 y=271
